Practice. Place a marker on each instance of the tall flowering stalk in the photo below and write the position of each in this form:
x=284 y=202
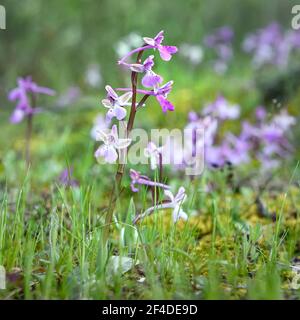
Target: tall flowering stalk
x=26 y=94
x=117 y=107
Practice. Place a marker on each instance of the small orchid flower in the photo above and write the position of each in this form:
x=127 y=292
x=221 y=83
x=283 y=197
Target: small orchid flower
x=137 y=178
x=24 y=108
x=175 y=203
x=154 y=153
x=150 y=79
x=165 y=52
x=115 y=104
x=111 y=143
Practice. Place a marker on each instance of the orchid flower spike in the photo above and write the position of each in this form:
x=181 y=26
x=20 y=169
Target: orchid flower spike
x=137 y=178
x=154 y=153
x=111 y=143
x=115 y=104
x=175 y=203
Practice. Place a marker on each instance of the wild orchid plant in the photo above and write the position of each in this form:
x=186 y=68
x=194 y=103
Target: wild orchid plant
x=26 y=95
x=116 y=104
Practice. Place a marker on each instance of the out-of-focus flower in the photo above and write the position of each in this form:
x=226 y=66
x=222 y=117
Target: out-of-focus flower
x=260 y=113
x=284 y=121
x=70 y=96
x=233 y=150
x=154 y=153
x=99 y=124
x=93 y=75
x=66 y=178
x=221 y=42
x=222 y=109
x=24 y=107
x=137 y=178
x=129 y=42
x=271 y=45
x=193 y=53
x=111 y=143
x=115 y=104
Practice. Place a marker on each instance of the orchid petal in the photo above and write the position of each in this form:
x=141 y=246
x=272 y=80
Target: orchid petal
x=122 y=143
x=165 y=104
x=137 y=67
x=111 y=155
x=107 y=103
x=122 y=100
x=114 y=132
x=169 y=194
x=111 y=92
x=17 y=116
x=159 y=37
x=149 y=41
x=151 y=80
x=120 y=113
x=101 y=136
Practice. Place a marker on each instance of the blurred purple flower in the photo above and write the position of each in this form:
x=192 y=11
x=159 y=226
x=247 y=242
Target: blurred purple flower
x=71 y=95
x=21 y=94
x=271 y=45
x=66 y=179
x=222 y=109
x=221 y=42
x=260 y=113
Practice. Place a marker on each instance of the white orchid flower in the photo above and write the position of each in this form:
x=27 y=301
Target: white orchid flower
x=175 y=204
x=111 y=143
x=115 y=104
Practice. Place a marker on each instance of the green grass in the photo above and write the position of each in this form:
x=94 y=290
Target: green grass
x=51 y=244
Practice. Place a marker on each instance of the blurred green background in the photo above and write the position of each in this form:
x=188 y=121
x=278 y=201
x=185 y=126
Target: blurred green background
x=56 y=40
